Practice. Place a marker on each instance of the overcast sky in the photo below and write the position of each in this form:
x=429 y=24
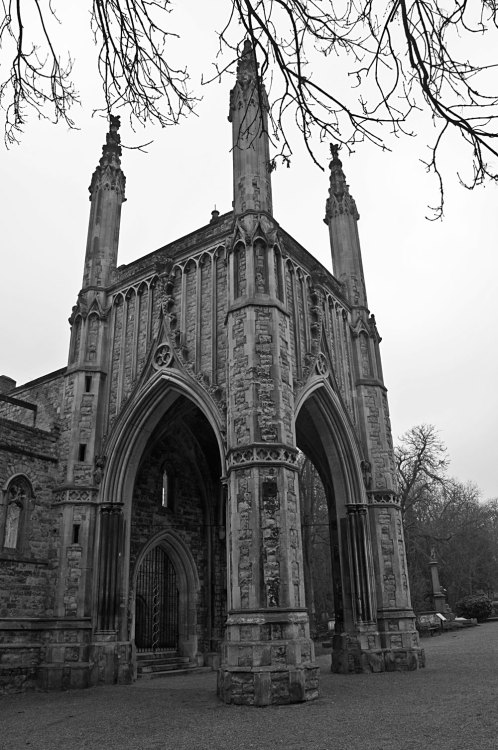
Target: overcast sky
x=431 y=285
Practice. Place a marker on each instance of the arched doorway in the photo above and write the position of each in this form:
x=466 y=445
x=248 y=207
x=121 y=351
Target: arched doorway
x=324 y=436
x=176 y=538
x=156 y=603
x=316 y=518
x=166 y=591
x=164 y=490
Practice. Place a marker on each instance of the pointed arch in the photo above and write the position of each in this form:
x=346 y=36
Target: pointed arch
x=187 y=580
x=76 y=338
x=137 y=421
x=239 y=272
x=92 y=335
x=18 y=492
x=325 y=433
x=278 y=273
x=260 y=262
x=128 y=440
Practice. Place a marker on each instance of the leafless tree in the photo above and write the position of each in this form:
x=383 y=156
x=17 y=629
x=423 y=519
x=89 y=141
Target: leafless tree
x=421 y=464
x=442 y=513
x=387 y=60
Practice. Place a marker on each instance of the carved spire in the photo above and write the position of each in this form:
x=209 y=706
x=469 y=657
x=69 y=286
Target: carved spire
x=107 y=194
x=250 y=142
x=341 y=216
x=109 y=170
x=339 y=200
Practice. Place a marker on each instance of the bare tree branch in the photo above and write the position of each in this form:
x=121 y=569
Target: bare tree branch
x=351 y=73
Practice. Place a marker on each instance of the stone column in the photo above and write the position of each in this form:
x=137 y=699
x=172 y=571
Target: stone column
x=395 y=618
x=356 y=642
x=267 y=655
x=110 y=657
x=362 y=594
x=110 y=558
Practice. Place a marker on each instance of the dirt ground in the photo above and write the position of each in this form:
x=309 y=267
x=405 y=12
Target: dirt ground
x=450 y=705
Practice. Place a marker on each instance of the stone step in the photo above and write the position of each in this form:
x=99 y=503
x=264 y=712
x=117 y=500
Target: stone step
x=162 y=666
x=161 y=663
x=170 y=653
x=171 y=672
x=151 y=661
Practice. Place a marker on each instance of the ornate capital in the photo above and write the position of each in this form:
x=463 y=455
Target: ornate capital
x=383 y=497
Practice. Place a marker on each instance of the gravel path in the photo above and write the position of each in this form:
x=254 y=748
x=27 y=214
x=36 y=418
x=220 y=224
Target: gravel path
x=450 y=705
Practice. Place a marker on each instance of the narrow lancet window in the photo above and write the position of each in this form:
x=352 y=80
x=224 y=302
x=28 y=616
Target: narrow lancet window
x=279 y=285
x=165 y=490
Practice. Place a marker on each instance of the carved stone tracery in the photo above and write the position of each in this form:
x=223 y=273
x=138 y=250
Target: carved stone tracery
x=163 y=356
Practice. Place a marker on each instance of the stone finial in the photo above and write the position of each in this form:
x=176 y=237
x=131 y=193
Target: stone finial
x=112 y=148
x=339 y=201
x=110 y=161
x=334 y=150
x=247 y=66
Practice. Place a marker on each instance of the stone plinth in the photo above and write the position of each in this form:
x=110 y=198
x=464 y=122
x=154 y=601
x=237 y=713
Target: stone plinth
x=268 y=658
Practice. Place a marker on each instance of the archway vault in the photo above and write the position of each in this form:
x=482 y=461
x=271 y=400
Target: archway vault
x=139 y=419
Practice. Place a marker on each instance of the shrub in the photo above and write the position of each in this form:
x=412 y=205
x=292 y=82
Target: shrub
x=478 y=606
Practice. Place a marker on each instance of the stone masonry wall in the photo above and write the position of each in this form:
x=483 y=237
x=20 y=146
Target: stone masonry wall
x=45 y=393
x=27 y=574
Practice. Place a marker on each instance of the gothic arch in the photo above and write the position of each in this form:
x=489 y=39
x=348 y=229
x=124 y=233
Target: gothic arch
x=18 y=493
x=128 y=441
x=75 y=346
x=188 y=587
x=340 y=457
x=138 y=419
x=324 y=434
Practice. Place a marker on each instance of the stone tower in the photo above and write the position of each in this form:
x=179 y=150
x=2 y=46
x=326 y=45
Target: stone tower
x=153 y=482
x=267 y=650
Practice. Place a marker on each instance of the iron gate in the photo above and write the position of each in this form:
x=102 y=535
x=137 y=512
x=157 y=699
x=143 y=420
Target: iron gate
x=156 y=612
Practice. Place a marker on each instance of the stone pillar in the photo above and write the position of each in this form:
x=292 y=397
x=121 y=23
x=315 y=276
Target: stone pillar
x=396 y=640
x=356 y=642
x=110 y=559
x=81 y=462
x=395 y=617
x=362 y=594
x=267 y=655
x=110 y=657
